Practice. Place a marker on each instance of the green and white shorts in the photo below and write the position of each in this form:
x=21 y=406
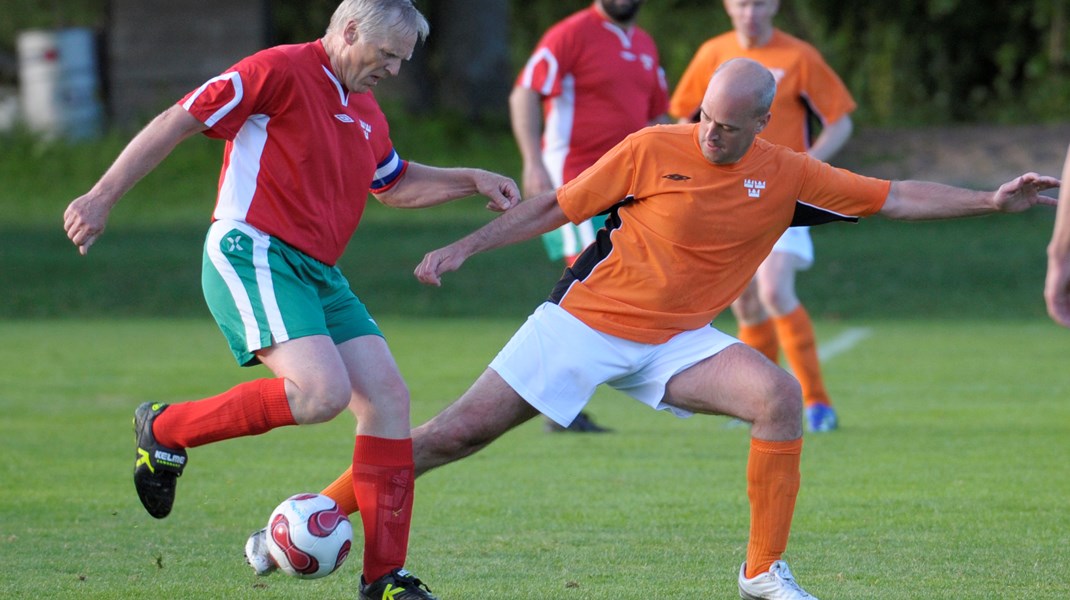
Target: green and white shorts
x=262 y=292
x=569 y=240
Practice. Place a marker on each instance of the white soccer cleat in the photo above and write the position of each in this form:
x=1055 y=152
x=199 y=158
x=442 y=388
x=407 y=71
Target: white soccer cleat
x=256 y=554
x=775 y=584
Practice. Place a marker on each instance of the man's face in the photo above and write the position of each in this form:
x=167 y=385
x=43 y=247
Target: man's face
x=753 y=19
x=727 y=126
x=368 y=59
x=621 y=11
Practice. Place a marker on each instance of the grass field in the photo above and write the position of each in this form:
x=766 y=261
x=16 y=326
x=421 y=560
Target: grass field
x=947 y=480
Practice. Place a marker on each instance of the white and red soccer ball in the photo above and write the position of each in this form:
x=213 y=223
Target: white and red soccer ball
x=308 y=536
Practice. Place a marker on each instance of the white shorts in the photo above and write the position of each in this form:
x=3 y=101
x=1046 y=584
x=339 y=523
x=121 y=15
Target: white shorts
x=796 y=241
x=555 y=362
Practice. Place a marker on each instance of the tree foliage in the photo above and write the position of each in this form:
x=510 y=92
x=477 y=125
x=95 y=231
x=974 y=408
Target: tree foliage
x=907 y=62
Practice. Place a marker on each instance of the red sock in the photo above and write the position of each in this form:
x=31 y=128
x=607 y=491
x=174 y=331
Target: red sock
x=772 y=486
x=251 y=408
x=383 y=482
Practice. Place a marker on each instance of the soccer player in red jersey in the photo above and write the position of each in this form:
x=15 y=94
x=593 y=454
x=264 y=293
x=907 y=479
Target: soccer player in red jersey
x=305 y=144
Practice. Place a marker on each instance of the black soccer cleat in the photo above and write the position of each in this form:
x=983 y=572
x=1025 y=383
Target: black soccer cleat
x=398 y=584
x=583 y=423
x=156 y=467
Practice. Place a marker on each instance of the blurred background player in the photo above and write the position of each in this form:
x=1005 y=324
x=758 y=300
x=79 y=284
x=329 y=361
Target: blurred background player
x=769 y=312
x=1057 y=284
x=593 y=78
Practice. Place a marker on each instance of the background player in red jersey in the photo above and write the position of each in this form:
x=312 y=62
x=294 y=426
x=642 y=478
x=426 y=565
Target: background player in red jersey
x=593 y=78
x=769 y=312
x=305 y=143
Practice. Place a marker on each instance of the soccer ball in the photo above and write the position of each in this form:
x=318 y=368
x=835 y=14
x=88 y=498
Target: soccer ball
x=308 y=536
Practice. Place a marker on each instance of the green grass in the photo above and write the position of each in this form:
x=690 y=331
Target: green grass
x=947 y=479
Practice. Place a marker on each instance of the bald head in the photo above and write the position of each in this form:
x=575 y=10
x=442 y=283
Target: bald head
x=735 y=109
x=746 y=81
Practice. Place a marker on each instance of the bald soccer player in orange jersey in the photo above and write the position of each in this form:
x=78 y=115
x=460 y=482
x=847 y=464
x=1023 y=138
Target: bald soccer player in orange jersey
x=694 y=209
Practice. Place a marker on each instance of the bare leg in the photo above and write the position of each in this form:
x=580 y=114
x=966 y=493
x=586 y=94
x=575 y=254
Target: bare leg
x=487 y=410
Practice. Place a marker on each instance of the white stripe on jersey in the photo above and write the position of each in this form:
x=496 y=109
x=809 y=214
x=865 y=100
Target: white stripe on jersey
x=551 y=71
x=625 y=37
x=235 y=80
x=239 y=180
x=387 y=171
x=557 y=138
x=341 y=92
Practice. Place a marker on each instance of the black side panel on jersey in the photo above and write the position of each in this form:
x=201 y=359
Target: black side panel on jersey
x=807 y=214
x=592 y=255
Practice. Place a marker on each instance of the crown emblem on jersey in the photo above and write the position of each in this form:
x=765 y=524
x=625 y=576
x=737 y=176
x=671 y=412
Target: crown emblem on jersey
x=676 y=177
x=754 y=187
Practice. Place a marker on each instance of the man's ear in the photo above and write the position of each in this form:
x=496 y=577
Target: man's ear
x=762 y=122
x=350 y=33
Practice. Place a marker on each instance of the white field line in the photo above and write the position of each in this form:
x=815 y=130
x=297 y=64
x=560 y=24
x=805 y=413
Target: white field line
x=842 y=343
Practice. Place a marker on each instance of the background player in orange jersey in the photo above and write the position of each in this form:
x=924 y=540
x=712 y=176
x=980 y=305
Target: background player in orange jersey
x=694 y=210
x=769 y=313
x=593 y=78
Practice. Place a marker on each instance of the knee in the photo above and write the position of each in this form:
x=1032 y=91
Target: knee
x=321 y=402
x=748 y=307
x=778 y=299
x=782 y=403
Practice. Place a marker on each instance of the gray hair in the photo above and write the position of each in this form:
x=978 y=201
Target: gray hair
x=377 y=17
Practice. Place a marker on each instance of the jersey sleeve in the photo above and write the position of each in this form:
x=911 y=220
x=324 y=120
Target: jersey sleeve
x=839 y=191
x=389 y=166
x=691 y=88
x=548 y=65
x=225 y=102
x=602 y=185
x=824 y=91
x=659 y=99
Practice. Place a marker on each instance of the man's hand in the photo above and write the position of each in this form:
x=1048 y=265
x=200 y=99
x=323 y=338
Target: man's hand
x=1057 y=291
x=1022 y=193
x=437 y=262
x=84 y=221
x=501 y=191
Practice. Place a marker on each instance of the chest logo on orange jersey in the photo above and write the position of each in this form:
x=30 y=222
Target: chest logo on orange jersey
x=754 y=187
x=676 y=177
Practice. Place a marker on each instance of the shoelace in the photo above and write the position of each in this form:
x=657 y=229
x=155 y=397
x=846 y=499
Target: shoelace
x=415 y=581
x=789 y=580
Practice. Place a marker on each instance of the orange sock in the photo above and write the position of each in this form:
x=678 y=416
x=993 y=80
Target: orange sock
x=341 y=491
x=762 y=337
x=250 y=408
x=383 y=477
x=772 y=486
x=796 y=334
